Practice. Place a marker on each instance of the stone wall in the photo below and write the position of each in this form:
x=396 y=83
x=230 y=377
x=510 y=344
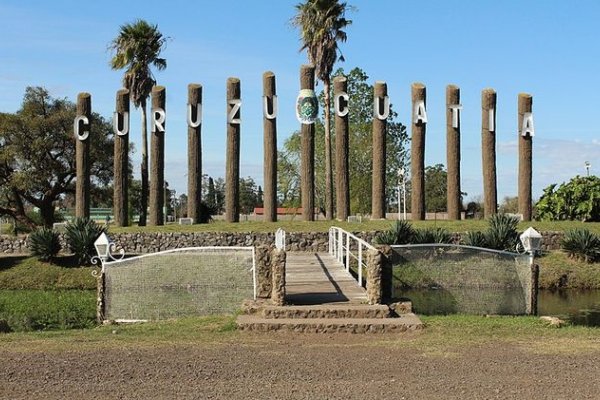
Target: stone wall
x=137 y=243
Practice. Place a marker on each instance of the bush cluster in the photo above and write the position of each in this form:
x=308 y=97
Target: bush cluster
x=582 y=245
x=402 y=232
x=81 y=233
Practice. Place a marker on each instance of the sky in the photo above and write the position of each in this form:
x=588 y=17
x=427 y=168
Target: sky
x=546 y=48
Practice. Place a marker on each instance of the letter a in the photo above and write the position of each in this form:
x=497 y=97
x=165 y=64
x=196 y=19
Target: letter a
x=527 y=126
x=420 y=113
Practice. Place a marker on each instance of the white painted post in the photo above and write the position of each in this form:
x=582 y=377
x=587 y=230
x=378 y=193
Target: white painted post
x=348 y=251
x=340 y=245
x=359 y=264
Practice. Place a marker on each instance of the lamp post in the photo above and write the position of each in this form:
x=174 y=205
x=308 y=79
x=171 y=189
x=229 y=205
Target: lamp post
x=402 y=177
x=587 y=167
x=531 y=242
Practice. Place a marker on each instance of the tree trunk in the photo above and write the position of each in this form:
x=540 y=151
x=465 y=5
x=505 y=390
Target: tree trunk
x=342 y=172
x=121 y=159
x=195 y=153
x=270 y=147
x=453 y=151
x=47 y=213
x=379 y=149
x=82 y=151
x=488 y=151
x=307 y=134
x=328 y=166
x=418 y=156
x=232 y=178
x=144 y=168
x=525 y=156
x=157 y=158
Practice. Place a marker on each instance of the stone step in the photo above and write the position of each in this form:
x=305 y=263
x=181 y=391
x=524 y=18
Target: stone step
x=327 y=311
x=404 y=323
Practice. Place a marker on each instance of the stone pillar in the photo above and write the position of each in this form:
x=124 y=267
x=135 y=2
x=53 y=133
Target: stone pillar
x=454 y=205
x=342 y=172
x=194 y=131
x=525 y=124
x=157 y=155
x=82 y=127
x=270 y=146
x=100 y=304
x=121 y=159
x=381 y=113
x=417 y=210
x=374 y=277
x=532 y=304
x=307 y=162
x=387 y=290
x=264 y=278
x=278 y=273
x=232 y=168
x=488 y=151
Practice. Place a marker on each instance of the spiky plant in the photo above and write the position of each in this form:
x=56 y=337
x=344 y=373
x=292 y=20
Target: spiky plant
x=81 y=235
x=431 y=235
x=475 y=239
x=44 y=244
x=502 y=232
x=581 y=244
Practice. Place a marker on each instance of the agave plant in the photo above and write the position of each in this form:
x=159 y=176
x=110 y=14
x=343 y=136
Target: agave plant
x=81 y=235
x=432 y=235
x=581 y=244
x=400 y=233
x=474 y=238
x=44 y=244
x=502 y=232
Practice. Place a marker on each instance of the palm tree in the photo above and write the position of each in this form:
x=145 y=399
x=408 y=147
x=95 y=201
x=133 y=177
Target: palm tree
x=321 y=24
x=137 y=48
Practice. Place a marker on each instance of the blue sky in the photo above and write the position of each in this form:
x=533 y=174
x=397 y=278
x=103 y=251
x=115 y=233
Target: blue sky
x=546 y=48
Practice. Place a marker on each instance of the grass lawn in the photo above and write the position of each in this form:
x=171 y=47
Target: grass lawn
x=442 y=334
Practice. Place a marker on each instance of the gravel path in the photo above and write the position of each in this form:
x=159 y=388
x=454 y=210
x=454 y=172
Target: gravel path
x=287 y=366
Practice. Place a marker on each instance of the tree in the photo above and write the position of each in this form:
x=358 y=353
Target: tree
x=435 y=188
x=509 y=205
x=360 y=150
x=137 y=47
x=248 y=195
x=37 y=155
x=321 y=24
x=579 y=199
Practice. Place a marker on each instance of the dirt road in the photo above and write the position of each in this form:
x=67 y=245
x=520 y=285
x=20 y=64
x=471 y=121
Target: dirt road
x=304 y=366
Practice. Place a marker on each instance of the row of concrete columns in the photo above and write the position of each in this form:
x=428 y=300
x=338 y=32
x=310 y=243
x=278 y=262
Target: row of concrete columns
x=307 y=132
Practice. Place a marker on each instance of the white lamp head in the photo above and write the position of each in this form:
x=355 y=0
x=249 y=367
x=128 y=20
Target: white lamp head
x=531 y=240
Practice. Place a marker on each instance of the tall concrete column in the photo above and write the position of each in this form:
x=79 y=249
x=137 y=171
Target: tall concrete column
x=525 y=124
x=157 y=155
x=270 y=146
x=194 y=121
x=488 y=151
x=232 y=168
x=381 y=113
x=82 y=129
x=453 y=151
x=307 y=162
x=121 y=159
x=342 y=171
x=419 y=123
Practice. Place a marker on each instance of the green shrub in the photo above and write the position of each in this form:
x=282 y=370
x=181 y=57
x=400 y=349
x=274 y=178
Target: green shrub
x=432 y=235
x=401 y=232
x=474 y=238
x=502 y=232
x=582 y=245
x=44 y=244
x=81 y=235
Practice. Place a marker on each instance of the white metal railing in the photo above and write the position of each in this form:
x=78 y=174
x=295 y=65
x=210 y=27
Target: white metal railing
x=280 y=239
x=345 y=246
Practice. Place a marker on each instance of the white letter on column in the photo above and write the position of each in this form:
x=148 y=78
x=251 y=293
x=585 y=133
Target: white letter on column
x=527 y=126
x=198 y=121
x=86 y=123
x=158 y=119
x=455 y=109
x=235 y=106
x=381 y=114
x=125 y=130
x=338 y=110
x=273 y=113
x=420 y=113
x=492 y=120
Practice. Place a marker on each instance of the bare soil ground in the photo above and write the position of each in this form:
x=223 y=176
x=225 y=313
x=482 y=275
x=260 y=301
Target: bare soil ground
x=300 y=366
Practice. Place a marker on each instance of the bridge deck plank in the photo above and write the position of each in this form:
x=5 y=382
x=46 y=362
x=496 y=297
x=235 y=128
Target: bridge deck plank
x=317 y=278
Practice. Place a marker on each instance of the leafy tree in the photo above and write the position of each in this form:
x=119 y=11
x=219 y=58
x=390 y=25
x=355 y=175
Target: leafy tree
x=213 y=193
x=37 y=155
x=435 y=188
x=248 y=195
x=137 y=47
x=322 y=24
x=579 y=199
x=360 y=162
